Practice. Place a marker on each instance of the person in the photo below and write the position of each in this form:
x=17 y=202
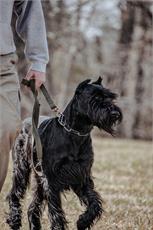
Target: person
x=30 y=26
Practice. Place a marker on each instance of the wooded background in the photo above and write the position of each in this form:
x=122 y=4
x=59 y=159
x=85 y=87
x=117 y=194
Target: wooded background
x=111 y=38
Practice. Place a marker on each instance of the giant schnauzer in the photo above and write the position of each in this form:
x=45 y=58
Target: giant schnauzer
x=67 y=159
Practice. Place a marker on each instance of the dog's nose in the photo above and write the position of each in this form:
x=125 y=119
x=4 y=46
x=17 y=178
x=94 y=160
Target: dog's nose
x=115 y=114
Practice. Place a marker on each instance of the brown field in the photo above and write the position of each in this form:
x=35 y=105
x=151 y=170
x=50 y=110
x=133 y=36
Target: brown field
x=123 y=171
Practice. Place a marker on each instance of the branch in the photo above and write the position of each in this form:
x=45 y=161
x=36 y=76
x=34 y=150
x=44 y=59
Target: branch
x=143 y=5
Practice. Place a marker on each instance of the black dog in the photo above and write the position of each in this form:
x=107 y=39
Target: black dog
x=67 y=159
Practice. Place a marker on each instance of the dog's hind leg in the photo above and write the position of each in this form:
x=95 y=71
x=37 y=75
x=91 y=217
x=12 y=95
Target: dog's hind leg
x=56 y=214
x=21 y=173
x=92 y=201
x=35 y=208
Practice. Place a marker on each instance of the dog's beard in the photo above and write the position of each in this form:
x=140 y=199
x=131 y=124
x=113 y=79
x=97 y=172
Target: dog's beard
x=101 y=117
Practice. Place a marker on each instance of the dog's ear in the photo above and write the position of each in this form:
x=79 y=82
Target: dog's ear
x=82 y=85
x=98 y=82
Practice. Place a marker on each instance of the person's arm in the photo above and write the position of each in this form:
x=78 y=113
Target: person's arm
x=31 y=28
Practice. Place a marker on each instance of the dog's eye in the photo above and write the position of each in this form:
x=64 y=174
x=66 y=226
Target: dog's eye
x=97 y=98
x=107 y=99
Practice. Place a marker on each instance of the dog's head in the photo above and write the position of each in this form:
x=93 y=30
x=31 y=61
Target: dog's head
x=98 y=105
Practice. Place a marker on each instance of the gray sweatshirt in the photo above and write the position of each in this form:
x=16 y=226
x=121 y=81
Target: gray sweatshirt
x=30 y=27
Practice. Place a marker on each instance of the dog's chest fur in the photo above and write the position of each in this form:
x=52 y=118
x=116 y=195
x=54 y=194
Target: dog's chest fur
x=65 y=154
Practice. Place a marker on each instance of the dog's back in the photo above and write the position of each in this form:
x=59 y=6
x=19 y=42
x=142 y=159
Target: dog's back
x=27 y=123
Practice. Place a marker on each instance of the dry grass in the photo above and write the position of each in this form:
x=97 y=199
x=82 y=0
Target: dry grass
x=123 y=172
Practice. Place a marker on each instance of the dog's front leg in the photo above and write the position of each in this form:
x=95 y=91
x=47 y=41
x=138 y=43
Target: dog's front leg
x=35 y=208
x=92 y=201
x=56 y=214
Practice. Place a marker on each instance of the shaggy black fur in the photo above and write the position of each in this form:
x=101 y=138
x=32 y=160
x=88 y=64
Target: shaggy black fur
x=67 y=159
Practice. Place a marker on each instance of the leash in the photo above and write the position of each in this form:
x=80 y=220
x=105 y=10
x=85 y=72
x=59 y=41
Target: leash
x=35 y=119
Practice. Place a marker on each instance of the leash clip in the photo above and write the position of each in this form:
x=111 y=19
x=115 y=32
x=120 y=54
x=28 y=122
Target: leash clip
x=61 y=119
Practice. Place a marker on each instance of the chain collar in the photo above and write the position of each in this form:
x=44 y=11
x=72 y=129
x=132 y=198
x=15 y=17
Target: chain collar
x=62 y=122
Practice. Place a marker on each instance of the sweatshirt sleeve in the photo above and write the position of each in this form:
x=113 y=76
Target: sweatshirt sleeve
x=30 y=27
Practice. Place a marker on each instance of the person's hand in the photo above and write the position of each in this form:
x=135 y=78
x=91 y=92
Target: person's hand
x=39 y=77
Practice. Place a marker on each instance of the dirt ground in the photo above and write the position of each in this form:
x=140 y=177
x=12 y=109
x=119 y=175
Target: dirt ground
x=123 y=171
